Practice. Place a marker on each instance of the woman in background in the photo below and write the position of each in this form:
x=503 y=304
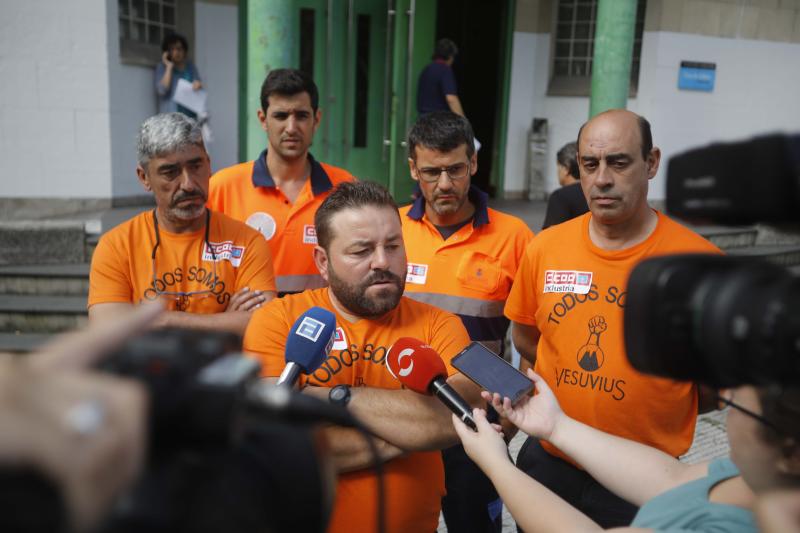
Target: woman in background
x=175 y=65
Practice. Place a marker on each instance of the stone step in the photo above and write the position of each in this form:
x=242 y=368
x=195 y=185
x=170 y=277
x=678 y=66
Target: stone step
x=41 y=314
x=784 y=255
x=42 y=242
x=22 y=342
x=90 y=245
x=55 y=280
x=728 y=237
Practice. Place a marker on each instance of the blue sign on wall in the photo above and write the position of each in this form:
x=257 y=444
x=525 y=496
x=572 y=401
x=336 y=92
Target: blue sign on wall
x=694 y=76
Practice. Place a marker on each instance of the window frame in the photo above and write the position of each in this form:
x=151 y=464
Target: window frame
x=144 y=53
x=571 y=85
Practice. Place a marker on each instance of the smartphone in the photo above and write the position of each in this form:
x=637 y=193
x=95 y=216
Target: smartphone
x=491 y=372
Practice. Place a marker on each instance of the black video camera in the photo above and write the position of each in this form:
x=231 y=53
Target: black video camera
x=722 y=321
x=218 y=458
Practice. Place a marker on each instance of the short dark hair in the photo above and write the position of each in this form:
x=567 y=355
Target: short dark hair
x=442 y=131
x=172 y=39
x=445 y=49
x=644 y=133
x=349 y=195
x=567 y=157
x=781 y=406
x=288 y=82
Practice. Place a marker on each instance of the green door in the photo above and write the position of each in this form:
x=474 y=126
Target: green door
x=413 y=41
x=365 y=56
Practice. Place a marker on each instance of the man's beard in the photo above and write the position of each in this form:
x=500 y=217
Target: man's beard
x=448 y=209
x=354 y=297
x=190 y=212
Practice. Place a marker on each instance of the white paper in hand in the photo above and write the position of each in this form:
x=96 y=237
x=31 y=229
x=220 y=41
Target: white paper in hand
x=189 y=98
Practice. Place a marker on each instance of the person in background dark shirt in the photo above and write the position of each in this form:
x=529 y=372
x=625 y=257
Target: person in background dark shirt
x=436 y=89
x=568 y=201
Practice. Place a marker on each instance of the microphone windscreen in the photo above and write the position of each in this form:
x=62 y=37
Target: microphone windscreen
x=415 y=364
x=311 y=339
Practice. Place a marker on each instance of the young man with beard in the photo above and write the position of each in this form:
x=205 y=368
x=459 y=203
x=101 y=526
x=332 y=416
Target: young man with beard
x=279 y=192
x=362 y=257
x=210 y=270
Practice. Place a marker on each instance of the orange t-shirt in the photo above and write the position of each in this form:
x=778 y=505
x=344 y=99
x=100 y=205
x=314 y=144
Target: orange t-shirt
x=414 y=483
x=123 y=269
x=471 y=272
x=247 y=192
x=574 y=293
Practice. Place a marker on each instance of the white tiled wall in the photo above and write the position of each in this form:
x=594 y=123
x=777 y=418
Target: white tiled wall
x=70 y=109
x=54 y=111
x=755 y=92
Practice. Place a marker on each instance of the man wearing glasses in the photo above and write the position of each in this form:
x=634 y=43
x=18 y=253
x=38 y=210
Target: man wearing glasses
x=462 y=257
x=210 y=270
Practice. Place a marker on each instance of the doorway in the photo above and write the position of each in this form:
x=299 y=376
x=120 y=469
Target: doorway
x=478 y=27
x=365 y=57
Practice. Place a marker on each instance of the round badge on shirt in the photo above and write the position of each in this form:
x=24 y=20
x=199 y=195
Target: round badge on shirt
x=263 y=223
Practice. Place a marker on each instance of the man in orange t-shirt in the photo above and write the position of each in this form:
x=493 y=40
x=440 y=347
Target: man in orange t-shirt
x=362 y=257
x=279 y=192
x=212 y=271
x=567 y=310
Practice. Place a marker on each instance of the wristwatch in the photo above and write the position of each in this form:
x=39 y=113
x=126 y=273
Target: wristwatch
x=339 y=395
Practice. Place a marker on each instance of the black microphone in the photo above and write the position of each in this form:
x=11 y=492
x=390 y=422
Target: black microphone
x=417 y=366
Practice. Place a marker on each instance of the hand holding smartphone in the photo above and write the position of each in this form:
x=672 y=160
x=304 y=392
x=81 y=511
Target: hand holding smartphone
x=492 y=373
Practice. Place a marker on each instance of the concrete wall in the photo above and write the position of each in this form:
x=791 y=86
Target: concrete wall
x=755 y=92
x=132 y=98
x=54 y=105
x=70 y=109
x=216 y=56
x=766 y=20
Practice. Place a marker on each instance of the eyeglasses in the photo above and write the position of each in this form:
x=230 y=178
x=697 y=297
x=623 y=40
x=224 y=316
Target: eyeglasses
x=180 y=300
x=455 y=172
x=730 y=403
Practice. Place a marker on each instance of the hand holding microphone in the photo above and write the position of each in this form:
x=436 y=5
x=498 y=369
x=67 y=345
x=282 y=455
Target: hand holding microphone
x=417 y=366
x=308 y=345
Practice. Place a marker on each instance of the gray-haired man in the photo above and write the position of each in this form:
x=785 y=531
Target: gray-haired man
x=210 y=270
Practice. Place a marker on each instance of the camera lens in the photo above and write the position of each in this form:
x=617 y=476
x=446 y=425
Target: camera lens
x=722 y=321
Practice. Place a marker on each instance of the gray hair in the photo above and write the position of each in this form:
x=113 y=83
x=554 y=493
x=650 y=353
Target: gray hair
x=166 y=133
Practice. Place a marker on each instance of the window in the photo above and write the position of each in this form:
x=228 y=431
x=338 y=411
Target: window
x=573 y=47
x=144 y=23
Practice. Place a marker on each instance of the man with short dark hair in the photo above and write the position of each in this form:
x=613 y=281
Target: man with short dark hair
x=437 y=89
x=361 y=255
x=210 y=270
x=278 y=192
x=462 y=257
x=567 y=311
